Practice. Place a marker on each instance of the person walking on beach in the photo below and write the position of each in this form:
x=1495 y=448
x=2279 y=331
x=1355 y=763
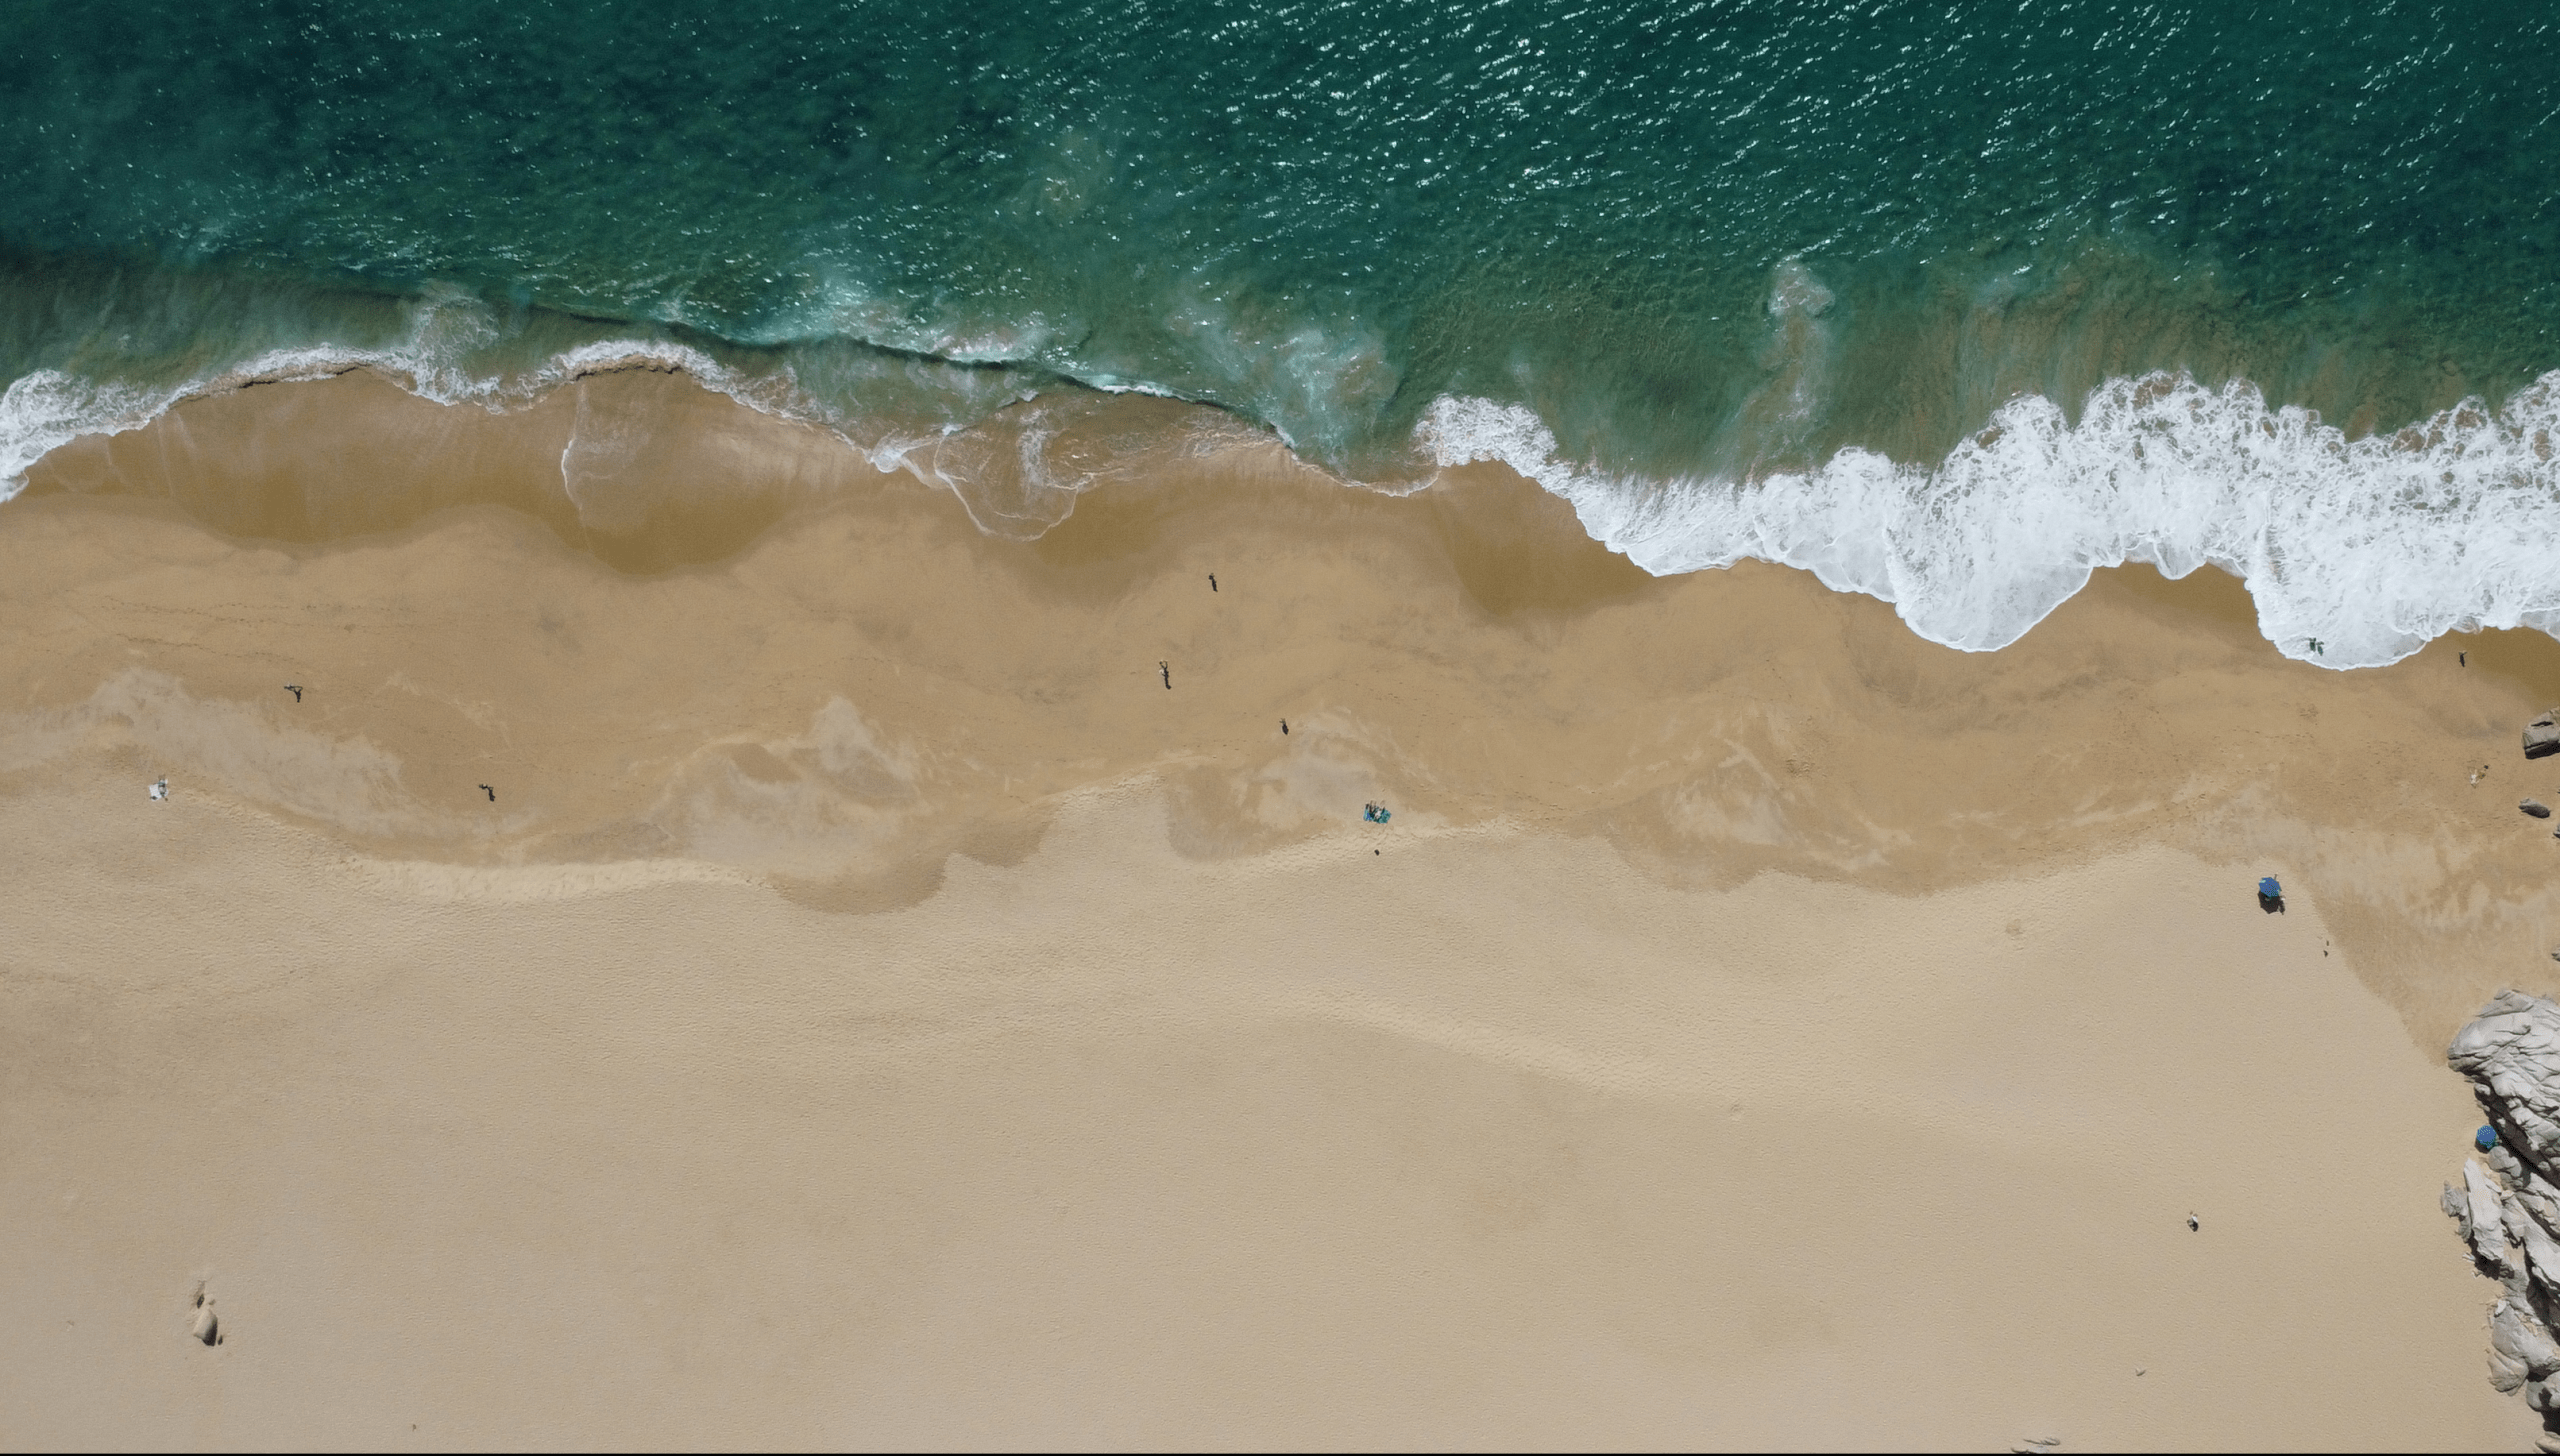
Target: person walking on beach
x=1167 y=669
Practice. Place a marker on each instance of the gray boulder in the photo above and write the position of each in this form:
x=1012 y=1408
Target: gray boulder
x=2534 y=807
x=2508 y=1207
x=2542 y=735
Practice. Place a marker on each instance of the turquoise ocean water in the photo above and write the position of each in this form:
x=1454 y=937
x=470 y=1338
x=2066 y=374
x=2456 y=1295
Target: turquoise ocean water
x=1946 y=302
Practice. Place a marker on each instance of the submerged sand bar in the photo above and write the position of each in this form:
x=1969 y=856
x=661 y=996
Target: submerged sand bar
x=874 y=1010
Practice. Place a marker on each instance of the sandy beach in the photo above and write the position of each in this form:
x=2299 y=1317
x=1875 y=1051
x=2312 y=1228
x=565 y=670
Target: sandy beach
x=732 y=947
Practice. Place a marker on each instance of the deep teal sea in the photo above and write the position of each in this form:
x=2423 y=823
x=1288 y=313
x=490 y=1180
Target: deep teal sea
x=1862 y=286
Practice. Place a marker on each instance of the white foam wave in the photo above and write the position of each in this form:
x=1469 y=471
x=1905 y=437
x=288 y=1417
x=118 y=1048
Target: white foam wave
x=47 y=408
x=2357 y=552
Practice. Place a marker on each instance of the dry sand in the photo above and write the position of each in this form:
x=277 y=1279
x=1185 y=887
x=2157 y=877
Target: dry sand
x=875 y=1010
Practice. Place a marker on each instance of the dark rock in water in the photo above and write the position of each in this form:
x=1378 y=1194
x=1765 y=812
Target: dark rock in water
x=2542 y=735
x=2535 y=807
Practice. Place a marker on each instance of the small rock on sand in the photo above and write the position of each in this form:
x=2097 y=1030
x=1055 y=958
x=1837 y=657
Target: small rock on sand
x=2542 y=735
x=2535 y=807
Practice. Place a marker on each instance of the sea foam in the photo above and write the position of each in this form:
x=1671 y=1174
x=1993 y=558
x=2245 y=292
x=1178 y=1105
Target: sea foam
x=433 y=355
x=2357 y=552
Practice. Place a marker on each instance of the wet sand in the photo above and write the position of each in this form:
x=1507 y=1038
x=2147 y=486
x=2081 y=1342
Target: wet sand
x=875 y=1009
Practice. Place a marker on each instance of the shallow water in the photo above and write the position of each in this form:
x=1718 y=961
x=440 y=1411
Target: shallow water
x=1870 y=288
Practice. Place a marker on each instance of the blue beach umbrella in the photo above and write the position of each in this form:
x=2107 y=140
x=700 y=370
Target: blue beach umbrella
x=2486 y=1138
x=2269 y=888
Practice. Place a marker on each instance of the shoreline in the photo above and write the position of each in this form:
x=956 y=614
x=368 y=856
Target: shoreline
x=2362 y=547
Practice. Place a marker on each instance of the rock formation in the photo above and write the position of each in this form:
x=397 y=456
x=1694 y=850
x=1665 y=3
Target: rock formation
x=2535 y=807
x=2509 y=1204
x=2542 y=735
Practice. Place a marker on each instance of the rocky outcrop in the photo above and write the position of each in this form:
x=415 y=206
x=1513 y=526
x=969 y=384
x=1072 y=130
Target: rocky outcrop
x=2542 y=735
x=2535 y=807
x=2509 y=1204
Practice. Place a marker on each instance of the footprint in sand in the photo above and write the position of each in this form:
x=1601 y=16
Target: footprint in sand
x=207 y=1328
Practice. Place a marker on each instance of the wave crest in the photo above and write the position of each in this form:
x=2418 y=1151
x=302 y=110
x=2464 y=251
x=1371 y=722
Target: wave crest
x=2357 y=552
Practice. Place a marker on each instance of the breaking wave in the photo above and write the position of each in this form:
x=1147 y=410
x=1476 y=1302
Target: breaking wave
x=2357 y=552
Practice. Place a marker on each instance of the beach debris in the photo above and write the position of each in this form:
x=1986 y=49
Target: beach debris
x=2542 y=735
x=207 y=1326
x=2270 y=895
x=2478 y=774
x=2194 y=1226
x=492 y=793
x=160 y=791
x=2509 y=1206
x=1375 y=813
x=295 y=689
x=2534 y=807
